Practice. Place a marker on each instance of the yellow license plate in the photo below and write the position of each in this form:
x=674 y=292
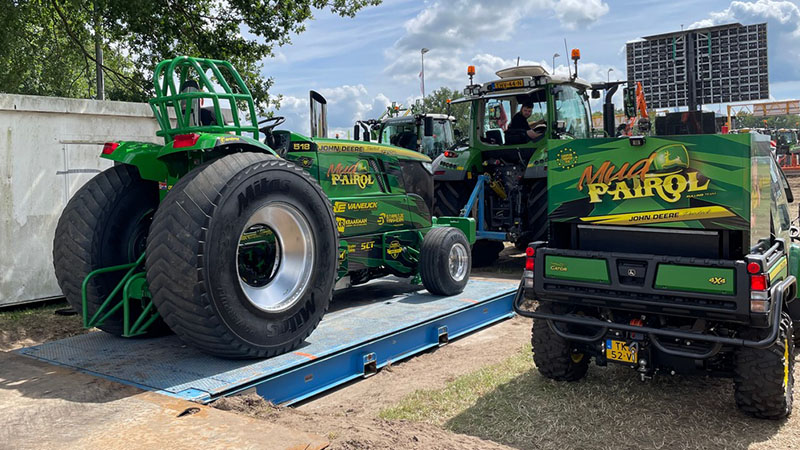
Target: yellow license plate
x=618 y=351
x=509 y=84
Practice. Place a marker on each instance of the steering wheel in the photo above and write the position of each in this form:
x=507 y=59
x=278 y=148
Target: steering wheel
x=266 y=125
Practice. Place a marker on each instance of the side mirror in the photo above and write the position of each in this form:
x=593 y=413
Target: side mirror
x=428 y=126
x=356 y=132
x=595 y=94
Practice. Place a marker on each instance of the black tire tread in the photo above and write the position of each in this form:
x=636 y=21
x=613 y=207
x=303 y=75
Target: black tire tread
x=77 y=238
x=552 y=353
x=433 y=259
x=758 y=375
x=176 y=243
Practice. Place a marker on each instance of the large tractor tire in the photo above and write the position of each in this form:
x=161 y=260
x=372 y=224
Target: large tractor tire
x=554 y=356
x=764 y=378
x=445 y=261
x=485 y=253
x=241 y=259
x=105 y=224
x=534 y=219
x=449 y=197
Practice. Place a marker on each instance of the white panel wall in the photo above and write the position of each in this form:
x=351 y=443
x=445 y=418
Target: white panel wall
x=49 y=147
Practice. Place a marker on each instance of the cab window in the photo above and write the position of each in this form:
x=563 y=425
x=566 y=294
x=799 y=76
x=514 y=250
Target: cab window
x=498 y=113
x=571 y=109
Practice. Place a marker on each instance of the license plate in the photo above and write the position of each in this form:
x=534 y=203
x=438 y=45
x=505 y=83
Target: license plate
x=508 y=84
x=618 y=351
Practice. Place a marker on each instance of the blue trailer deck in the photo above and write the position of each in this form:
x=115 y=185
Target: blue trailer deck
x=368 y=327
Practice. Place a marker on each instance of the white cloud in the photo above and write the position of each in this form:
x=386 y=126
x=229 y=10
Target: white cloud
x=783 y=28
x=452 y=29
x=346 y=104
x=579 y=13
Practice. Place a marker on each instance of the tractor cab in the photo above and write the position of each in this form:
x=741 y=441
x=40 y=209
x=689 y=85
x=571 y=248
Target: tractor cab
x=430 y=134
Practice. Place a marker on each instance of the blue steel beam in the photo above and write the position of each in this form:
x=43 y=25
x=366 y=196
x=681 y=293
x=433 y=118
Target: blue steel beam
x=320 y=375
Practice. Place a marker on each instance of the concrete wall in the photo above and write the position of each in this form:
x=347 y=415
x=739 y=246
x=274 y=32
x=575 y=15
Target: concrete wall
x=49 y=147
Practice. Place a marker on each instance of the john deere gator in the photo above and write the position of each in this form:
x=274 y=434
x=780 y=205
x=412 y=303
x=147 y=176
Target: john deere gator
x=668 y=254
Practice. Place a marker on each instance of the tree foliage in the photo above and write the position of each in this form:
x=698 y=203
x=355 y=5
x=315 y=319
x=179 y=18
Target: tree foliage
x=745 y=120
x=48 y=45
x=436 y=102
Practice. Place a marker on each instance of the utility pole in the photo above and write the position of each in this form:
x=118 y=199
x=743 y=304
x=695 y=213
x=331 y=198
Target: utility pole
x=98 y=54
x=422 y=73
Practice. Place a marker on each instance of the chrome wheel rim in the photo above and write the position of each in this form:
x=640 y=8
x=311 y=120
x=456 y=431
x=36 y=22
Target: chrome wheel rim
x=458 y=262
x=275 y=257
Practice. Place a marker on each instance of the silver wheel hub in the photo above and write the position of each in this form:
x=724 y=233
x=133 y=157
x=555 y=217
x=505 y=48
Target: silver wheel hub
x=275 y=257
x=458 y=262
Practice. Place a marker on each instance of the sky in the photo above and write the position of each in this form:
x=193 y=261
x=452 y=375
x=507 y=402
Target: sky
x=362 y=64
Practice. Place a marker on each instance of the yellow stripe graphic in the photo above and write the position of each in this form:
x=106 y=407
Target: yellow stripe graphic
x=662 y=216
x=776 y=270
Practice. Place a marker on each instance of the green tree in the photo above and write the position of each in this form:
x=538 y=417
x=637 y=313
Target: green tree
x=745 y=120
x=436 y=102
x=48 y=45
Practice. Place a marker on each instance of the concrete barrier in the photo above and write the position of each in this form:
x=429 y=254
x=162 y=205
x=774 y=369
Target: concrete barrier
x=49 y=148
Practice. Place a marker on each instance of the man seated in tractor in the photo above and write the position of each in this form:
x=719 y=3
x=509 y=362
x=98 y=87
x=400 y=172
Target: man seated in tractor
x=520 y=131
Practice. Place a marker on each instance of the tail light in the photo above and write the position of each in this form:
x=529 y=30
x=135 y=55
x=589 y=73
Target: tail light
x=759 y=283
x=450 y=154
x=109 y=147
x=438 y=172
x=185 y=140
x=527 y=274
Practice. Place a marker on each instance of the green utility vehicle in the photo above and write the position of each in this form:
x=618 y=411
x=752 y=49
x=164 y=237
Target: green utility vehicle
x=786 y=141
x=668 y=254
x=233 y=234
x=506 y=161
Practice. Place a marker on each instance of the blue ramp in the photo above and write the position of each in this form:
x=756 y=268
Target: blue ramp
x=374 y=325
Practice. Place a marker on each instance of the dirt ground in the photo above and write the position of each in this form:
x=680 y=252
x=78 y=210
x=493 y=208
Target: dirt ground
x=611 y=408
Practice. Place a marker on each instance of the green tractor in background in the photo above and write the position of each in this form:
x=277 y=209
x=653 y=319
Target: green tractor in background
x=233 y=234
x=501 y=175
x=428 y=133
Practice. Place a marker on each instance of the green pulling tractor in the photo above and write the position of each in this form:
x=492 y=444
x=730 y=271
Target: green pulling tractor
x=233 y=234
x=668 y=254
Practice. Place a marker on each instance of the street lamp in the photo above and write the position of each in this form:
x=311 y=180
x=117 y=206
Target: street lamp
x=608 y=78
x=422 y=73
x=555 y=55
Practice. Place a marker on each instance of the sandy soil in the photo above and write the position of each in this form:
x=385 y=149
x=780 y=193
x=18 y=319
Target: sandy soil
x=347 y=416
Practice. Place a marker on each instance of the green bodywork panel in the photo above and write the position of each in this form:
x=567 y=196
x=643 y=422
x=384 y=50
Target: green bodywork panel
x=465 y=224
x=576 y=269
x=712 y=280
x=699 y=181
x=380 y=218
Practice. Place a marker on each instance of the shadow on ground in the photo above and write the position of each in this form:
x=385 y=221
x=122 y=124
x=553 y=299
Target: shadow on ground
x=611 y=408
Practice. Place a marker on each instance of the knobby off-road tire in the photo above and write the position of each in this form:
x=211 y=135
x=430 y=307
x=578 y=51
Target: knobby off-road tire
x=554 y=356
x=534 y=218
x=104 y=224
x=193 y=260
x=445 y=261
x=764 y=378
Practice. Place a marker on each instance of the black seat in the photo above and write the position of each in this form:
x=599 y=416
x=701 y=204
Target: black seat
x=494 y=137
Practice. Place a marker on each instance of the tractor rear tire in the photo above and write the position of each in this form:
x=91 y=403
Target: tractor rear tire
x=104 y=224
x=764 y=378
x=554 y=356
x=534 y=218
x=449 y=197
x=445 y=261
x=209 y=291
x=485 y=252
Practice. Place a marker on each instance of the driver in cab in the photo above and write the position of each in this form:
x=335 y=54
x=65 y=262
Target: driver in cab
x=535 y=130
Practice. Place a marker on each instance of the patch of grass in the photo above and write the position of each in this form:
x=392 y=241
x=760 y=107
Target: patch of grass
x=512 y=404
x=14 y=315
x=438 y=406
